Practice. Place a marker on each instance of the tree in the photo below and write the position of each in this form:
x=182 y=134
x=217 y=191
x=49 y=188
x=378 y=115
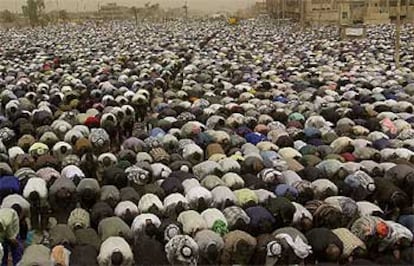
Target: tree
x=134 y=11
x=7 y=16
x=63 y=15
x=33 y=10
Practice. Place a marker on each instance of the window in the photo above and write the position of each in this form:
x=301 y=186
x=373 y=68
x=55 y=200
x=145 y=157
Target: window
x=344 y=15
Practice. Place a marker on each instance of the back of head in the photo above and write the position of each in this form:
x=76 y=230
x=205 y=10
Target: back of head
x=18 y=209
x=150 y=229
x=333 y=252
x=117 y=258
x=212 y=253
x=34 y=198
x=305 y=224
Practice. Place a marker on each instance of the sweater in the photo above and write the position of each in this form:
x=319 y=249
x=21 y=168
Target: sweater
x=115 y=244
x=9 y=221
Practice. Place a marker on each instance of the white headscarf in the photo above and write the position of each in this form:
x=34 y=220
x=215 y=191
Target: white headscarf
x=301 y=249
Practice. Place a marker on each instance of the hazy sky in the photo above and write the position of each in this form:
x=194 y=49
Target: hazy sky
x=74 y=5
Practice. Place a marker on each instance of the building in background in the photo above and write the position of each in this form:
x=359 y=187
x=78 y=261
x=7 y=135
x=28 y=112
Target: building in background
x=340 y=11
x=407 y=9
x=114 y=11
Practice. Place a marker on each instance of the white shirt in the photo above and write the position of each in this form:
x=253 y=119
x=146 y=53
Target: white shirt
x=188 y=184
x=229 y=164
x=320 y=185
x=71 y=171
x=404 y=153
x=289 y=177
x=192 y=222
x=367 y=208
x=1 y=252
x=123 y=206
x=140 y=221
x=198 y=192
x=10 y=200
x=14 y=152
x=369 y=165
x=113 y=244
x=387 y=166
x=289 y=153
x=221 y=194
x=35 y=184
x=210 y=216
x=190 y=149
x=300 y=212
x=263 y=195
x=147 y=201
x=351 y=167
x=160 y=170
x=233 y=180
x=387 y=153
x=173 y=199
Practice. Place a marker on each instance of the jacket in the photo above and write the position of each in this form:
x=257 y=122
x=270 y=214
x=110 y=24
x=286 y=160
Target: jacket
x=192 y=222
x=239 y=246
x=84 y=255
x=182 y=249
x=111 y=245
x=61 y=234
x=114 y=226
x=206 y=241
x=36 y=255
x=144 y=244
x=10 y=223
x=88 y=237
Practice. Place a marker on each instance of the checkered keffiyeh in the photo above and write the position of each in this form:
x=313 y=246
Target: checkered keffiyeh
x=186 y=116
x=99 y=137
x=79 y=218
x=25 y=173
x=367 y=226
x=349 y=240
x=159 y=155
x=152 y=142
x=183 y=249
x=347 y=205
x=233 y=214
x=138 y=175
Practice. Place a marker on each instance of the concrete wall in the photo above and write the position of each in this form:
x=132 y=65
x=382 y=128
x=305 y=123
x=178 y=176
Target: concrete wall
x=323 y=17
x=326 y=12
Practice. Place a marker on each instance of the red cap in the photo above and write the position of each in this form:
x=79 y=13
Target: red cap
x=92 y=122
x=349 y=157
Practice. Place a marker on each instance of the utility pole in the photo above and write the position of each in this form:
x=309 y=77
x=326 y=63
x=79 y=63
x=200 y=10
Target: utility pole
x=339 y=6
x=406 y=9
x=302 y=14
x=397 y=35
x=185 y=7
x=320 y=14
x=279 y=6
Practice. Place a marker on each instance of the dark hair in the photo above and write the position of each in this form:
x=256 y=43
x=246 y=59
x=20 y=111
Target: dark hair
x=333 y=252
x=306 y=195
x=305 y=224
x=151 y=230
x=34 y=198
x=17 y=208
x=202 y=204
x=117 y=258
x=212 y=252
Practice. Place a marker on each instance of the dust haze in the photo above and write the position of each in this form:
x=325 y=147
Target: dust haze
x=207 y=6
